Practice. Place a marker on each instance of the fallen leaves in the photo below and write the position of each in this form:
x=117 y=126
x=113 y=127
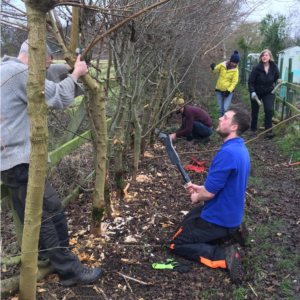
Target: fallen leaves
x=148 y=154
x=130 y=239
x=81 y=232
x=130 y=261
x=73 y=241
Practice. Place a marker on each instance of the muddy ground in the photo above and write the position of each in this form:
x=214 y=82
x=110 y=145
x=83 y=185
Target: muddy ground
x=145 y=221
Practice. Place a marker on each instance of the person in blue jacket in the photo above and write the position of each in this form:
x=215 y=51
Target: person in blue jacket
x=223 y=194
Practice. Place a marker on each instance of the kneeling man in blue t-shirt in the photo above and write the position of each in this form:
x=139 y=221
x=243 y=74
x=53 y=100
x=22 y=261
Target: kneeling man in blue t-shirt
x=223 y=195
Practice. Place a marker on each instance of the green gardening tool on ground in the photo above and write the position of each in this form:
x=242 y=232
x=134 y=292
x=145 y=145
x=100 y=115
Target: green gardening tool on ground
x=172 y=264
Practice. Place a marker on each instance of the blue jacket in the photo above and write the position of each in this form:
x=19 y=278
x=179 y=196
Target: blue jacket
x=227 y=179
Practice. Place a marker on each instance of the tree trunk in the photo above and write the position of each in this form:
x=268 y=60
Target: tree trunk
x=145 y=122
x=37 y=111
x=98 y=116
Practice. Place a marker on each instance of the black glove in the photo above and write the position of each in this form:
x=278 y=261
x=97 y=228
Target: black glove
x=179 y=265
x=213 y=65
x=225 y=94
x=172 y=264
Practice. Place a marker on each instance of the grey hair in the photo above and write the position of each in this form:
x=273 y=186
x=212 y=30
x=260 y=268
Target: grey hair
x=24 y=49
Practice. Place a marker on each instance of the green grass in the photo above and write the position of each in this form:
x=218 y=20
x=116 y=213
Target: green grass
x=239 y=294
x=290 y=144
x=256 y=181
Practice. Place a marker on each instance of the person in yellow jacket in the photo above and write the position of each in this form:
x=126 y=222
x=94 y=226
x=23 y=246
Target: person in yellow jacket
x=228 y=79
x=177 y=100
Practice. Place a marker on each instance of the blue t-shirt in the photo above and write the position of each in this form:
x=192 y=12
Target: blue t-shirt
x=227 y=179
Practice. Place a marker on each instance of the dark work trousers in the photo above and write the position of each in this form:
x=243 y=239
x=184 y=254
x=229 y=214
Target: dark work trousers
x=195 y=240
x=54 y=230
x=199 y=130
x=268 y=102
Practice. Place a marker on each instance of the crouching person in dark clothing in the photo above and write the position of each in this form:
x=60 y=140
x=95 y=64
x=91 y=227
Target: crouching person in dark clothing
x=196 y=124
x=223 y=195
x=60 y=91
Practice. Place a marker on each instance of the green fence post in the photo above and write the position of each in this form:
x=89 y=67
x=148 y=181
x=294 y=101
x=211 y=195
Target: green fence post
x=244 y=66
x=282 y=109
x=290 y=80
x=281 y=68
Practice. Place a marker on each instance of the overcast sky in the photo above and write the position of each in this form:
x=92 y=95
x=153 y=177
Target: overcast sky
x=273 y=7
x=282 y=7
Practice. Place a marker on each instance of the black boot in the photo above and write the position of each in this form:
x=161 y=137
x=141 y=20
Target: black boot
x=234 y=255
x=87 y=275
x=270 y=135
x=241 y=234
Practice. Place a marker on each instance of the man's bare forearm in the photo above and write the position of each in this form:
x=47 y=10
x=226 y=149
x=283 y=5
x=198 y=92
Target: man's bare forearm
x=203 y=195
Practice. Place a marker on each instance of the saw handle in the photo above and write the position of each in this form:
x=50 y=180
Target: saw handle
x=187 y=184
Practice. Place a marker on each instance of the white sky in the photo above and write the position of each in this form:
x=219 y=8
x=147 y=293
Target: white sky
x=273 y=7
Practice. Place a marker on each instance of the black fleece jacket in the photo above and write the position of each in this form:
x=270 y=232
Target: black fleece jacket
x=260 y=82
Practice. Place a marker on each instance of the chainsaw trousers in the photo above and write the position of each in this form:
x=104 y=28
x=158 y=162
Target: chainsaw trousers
x=199 y=130
x=268 y=101
x=54 y=230
x=196 y=239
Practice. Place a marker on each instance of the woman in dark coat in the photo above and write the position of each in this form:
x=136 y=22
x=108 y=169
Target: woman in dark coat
x=260 y=84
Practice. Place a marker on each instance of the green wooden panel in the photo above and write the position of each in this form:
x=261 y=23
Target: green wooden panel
x=62 y=151
x=73 y=125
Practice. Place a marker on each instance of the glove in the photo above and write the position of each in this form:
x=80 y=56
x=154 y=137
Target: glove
x=253 y=95
x=225 y=94
x=176 y=265
x=213 y=65
x=279 y=81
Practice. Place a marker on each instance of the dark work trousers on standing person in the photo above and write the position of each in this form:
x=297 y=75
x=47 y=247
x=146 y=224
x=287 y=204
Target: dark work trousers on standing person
x=196 y=238
x=268 y=101
x=54 y=230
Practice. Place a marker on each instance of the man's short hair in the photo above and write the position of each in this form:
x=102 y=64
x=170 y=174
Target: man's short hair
x=241 y=118
x=24 y=49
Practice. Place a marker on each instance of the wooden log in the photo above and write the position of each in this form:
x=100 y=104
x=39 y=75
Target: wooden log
x=11 y=285
x=10 y=261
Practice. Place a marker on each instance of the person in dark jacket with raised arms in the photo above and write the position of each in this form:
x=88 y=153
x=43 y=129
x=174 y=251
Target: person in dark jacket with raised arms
x=260 y=84
x=196 y=124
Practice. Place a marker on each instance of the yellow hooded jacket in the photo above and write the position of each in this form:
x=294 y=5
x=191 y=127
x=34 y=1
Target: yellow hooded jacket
x=179 y=101
x=228 y=79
